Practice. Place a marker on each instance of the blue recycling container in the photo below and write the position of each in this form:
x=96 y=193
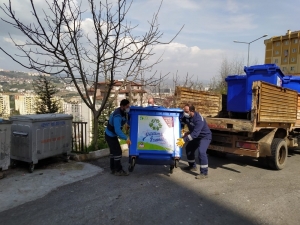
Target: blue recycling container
x=291 y=82
x=153 y=133
x=239 y=95
x=240 y=101
x=237 y=99
x=270 y=73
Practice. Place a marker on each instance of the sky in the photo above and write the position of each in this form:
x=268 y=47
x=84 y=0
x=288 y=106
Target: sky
x=210 y=27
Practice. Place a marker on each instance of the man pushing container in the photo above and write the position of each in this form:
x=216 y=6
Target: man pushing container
x=113 y=132
x=197 y=138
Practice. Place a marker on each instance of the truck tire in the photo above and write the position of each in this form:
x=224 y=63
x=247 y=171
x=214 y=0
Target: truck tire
x=279 y=152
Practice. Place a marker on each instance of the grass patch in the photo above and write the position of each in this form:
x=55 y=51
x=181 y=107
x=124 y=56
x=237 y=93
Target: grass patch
x=154 y=147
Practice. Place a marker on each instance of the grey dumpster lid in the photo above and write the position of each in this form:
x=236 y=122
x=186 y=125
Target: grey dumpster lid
x=41 y=117
x=4 y=121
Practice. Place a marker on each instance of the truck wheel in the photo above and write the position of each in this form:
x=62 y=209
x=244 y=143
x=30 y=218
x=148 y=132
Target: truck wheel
x=279 y=152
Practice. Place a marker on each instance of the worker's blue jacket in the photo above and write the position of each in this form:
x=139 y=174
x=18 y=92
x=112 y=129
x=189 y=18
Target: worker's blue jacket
x=115 y=123
x=198 y=127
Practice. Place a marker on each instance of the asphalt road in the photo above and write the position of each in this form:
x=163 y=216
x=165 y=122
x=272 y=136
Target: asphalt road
x=238 y=191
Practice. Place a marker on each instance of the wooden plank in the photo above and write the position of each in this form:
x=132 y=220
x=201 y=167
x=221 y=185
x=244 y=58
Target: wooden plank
x=276 y=104
x=297 y=124
x=234 y=125
x=207 y=103
x=273 y=125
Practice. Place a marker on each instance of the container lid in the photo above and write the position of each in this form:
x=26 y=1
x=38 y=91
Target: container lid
x=235 y=77
x=294 y=77
x=41 y=117
x=2 y=121
x=155 y=108
x=287 y=77
x=269 y=68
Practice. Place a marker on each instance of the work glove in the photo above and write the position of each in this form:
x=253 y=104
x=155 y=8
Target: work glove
x=128 y=141
x=180 y=142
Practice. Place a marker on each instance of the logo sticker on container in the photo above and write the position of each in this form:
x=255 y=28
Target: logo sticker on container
x=155 y=133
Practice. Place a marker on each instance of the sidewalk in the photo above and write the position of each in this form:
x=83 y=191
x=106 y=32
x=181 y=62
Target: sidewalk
x=19 y=186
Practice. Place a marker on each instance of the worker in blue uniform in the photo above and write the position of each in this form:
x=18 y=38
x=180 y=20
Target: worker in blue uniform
x=114 y=131
x=197 y=138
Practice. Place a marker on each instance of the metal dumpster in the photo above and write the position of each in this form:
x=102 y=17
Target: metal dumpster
x=35 y=137
x=5 y=127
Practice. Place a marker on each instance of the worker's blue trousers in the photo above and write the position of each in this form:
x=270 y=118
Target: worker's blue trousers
x=201 y=145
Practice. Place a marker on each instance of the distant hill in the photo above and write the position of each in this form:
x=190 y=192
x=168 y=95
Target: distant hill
x=13 y=74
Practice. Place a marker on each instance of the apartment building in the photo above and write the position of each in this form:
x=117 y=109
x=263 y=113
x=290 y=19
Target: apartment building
x=4 y=106
x=81 y=113
x=25 y=103
x=284 y=51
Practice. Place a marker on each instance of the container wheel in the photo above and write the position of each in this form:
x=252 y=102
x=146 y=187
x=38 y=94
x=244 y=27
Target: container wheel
x=13 y=163
x=131 y=165
x=176 y=163
x=171 y=169
x=279 y=152
x=31 y=167
x=66 y=158
x=130 y=168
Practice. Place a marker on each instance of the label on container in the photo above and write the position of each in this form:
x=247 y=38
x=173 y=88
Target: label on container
x=279 y=82
x=156 y=133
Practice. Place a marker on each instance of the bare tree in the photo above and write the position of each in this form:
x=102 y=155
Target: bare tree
x=233 y=67
x=168 y=99
x=57 y=44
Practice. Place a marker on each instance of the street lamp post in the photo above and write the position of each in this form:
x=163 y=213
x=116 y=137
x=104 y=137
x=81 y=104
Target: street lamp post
x=248 y=43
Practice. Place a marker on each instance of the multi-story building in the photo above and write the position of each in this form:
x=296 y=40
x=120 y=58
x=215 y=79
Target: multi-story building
x=82 y=113
x=25 y=103
x=129 y=90
x=284 y=51
x=4 y=106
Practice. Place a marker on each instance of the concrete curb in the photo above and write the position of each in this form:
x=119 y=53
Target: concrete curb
x=95 y=154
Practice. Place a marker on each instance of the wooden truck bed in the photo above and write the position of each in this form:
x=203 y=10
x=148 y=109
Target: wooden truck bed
x=297 y=125
x=272 y=106
x=207 y=103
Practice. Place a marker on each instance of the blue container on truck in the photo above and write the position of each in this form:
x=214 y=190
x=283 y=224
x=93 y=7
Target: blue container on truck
x=236 y=93
x=270 y=73
x=153 y=133
x=292 y=82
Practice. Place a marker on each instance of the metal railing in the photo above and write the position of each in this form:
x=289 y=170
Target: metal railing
x=79 y=137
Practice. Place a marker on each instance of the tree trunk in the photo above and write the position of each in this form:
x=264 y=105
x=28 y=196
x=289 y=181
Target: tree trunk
x=95 y=131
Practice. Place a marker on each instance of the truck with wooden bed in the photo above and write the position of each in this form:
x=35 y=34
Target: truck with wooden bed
x=266 y=132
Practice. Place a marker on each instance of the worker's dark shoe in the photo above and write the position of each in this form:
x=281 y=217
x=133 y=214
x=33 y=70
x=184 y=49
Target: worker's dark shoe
x=121 y=173
x=112 y=172
x=201 y=176
x=190 y=168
